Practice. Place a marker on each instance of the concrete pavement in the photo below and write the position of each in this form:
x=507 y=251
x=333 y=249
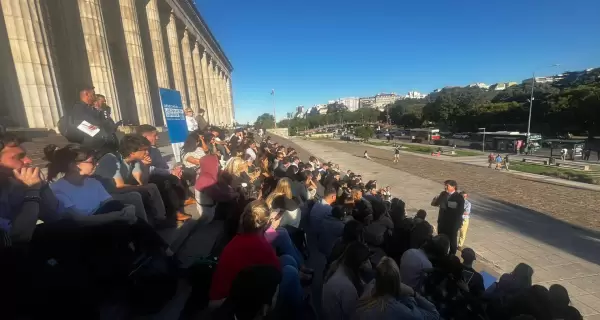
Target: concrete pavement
x=503 y=234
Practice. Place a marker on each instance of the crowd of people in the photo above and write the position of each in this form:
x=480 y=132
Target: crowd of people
x=88 y=229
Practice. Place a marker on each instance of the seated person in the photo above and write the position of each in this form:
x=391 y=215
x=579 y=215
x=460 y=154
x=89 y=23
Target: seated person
x=321 y=209
x=381 y=226
x=252 y=294
x=471 y=277
x=332 y=227
x=82 y=198
x=251 y=248
x=415 y=262
x=120 y=172
x=278 y=236
x=353 y=231
x=400 y=300
x=173 y=189
x=24 y=197
x=192 y=151
x=344 y=282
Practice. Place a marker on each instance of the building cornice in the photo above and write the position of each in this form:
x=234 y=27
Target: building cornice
x=187 y=12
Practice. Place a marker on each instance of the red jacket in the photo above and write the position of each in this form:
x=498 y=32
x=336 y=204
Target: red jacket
x=244 y=250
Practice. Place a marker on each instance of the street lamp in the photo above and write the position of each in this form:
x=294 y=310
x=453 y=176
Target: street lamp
x=531 y=102
x=483 y=143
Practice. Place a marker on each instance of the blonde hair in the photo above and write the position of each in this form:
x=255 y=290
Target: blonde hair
x=189 y=110
x=284 y=187
x=255 y=217
x=388 y=284
x=236 y=166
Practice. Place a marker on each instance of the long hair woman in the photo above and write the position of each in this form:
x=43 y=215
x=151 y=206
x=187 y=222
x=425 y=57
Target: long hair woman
x=284 y=187
x=388 y=298
x=84 y=200
x=344 y=282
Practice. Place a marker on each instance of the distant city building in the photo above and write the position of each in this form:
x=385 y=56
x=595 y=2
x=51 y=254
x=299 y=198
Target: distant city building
x=300 y=112
x=366 y=102
x=415 y=95
x=383 y=99
x=479 y=85
x=351 y=103
x=502 y=85
x=548 y=79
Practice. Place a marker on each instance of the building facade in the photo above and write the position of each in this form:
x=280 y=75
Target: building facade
x=351 y=103
x=126 y=49
x=383 y=99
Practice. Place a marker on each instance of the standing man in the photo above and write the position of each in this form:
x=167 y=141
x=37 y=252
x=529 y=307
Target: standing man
x=191 y=123
x=202 y=124
x=450 y=216
x=462 y=234
x=97 y=132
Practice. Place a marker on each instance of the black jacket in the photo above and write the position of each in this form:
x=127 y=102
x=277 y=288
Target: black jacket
x=83 y=112
x=452 y=207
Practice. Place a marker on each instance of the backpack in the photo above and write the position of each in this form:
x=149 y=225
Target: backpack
x=68 y=129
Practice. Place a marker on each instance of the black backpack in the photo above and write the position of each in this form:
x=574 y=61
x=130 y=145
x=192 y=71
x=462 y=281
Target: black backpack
x=68 y=129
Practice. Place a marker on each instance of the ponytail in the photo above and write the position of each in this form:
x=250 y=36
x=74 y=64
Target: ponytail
x=59 y=159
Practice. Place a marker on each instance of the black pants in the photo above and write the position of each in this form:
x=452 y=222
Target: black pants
x=452 y=233
x=171 y=190
x=152 y=199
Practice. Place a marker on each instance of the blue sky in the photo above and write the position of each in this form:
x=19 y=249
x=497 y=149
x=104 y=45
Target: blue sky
x=312 y=51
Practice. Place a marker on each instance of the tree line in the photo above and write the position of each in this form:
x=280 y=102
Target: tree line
x=569 y=105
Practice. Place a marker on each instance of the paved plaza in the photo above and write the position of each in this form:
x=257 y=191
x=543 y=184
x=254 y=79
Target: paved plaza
x=553 y=228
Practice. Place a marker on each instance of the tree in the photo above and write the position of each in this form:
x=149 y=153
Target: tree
x=364 y=132
x=265 y=121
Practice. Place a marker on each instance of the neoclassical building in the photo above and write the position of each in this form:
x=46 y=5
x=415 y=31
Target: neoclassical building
x=126 y=49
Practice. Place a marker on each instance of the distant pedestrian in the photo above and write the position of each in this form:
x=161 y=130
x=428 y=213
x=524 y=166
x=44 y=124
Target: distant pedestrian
x=491 y=160
x=586 y=154
x=396 y=154
x=563 y=153
x=366 y=155
x=462 y=233
x=506 y=163
x=498 y=162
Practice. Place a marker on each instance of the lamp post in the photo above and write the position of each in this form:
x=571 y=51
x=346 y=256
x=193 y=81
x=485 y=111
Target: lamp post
x=274 y=113
x=531 y=103
x=483 y=142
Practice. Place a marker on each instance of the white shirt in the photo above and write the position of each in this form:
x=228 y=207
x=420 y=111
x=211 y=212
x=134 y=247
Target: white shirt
x=192 y=124
x=198 y=153
x=252 y=154
x=85 y=198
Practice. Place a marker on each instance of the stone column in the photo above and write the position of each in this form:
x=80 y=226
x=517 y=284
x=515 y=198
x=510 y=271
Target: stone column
x=137 y=66
x=31 y=55
x=222 y=96
x=175 y=54
x=190 y=75
x=96 y=45
x=213 y=91
x=196 y=59
x=229 y=99
x=156 y=39
x=210 y=107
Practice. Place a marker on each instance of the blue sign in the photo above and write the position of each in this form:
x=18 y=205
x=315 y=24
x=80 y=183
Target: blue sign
x=174 y=115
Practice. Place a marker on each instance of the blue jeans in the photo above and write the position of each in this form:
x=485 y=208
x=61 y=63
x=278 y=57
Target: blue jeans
x=283 y=245
x=289 y=300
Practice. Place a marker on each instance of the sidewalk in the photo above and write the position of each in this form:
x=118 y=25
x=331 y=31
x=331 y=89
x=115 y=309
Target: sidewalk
x=482 y=161
x=502 y=233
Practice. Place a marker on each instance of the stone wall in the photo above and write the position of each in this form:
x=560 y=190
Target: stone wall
x=282 y=132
